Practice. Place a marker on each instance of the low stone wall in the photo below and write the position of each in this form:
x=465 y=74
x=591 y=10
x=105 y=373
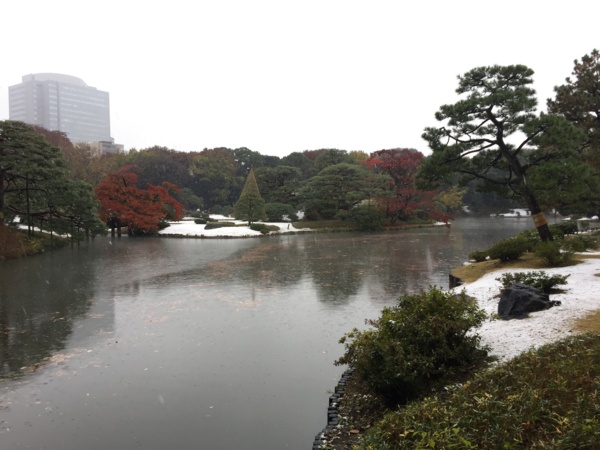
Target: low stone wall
x=333 y=417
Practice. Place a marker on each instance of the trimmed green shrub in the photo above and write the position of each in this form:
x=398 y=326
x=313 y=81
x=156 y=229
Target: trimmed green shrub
x=200 y=221
x=580 y=243
x=367 y=218
x=261 y=227
x=566 y=227
x=537 y=279
x=276 y=211
x=479 y=255
x=553 y=254
x=505 y=250
x=215 y=225
x=424 y=342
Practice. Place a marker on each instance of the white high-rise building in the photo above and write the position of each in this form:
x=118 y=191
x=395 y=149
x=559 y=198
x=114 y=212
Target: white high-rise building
x=61 y=103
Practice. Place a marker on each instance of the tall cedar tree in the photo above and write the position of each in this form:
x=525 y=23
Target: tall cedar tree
x=122 y=203
x=493 y=134
x=250 y=206
x=404 y=199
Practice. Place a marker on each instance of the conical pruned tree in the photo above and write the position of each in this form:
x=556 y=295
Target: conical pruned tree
x=250 y=206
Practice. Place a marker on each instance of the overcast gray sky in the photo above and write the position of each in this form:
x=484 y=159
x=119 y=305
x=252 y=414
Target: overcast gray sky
x=280 y=76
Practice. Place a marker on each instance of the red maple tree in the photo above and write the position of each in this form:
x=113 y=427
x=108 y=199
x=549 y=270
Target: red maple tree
x=405 y=200
x=123 y=204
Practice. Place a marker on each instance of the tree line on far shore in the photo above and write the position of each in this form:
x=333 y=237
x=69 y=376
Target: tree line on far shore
x=491 y=151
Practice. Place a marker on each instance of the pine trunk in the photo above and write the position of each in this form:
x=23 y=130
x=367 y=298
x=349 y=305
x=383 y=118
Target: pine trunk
x=538 y=217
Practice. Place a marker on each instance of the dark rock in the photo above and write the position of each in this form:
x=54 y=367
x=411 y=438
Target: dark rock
x=518 y=300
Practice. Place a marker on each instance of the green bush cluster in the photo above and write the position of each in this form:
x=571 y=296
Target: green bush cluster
x=200 y=221
x=542 y=399
x=556 y=253
x=563 y=228
x=537 y=279
x=367 y=218
x=277 y=211
x=422 y=343
x=580 y=243
x=260 y=227
x=215 y=225
x=506 y=250
x=553 y=253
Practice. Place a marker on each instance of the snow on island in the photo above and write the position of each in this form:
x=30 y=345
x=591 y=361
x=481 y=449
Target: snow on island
x=187 y=227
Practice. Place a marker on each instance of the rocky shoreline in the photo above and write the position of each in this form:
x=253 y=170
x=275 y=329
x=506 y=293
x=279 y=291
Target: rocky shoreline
x=333 y=415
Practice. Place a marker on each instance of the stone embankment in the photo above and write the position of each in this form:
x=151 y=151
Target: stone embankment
x=333 y=416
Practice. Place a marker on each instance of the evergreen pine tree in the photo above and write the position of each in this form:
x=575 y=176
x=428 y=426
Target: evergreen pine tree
x=250 y=206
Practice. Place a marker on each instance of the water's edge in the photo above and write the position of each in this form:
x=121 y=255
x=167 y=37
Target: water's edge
x=333 y=417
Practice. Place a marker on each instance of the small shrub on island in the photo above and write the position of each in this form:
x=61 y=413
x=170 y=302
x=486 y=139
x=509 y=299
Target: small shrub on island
x=367 y=218
x=215 y=225
x=277 y=212
x=260 y=227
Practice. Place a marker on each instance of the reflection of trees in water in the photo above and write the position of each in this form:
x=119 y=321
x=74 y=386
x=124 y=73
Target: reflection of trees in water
x=39 y=301
x=337 y=267
x=276 y=263
x=388 y=264
x=338 y=264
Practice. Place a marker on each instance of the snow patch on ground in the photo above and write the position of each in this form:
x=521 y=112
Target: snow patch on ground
x=508 y=338
x=190 y=228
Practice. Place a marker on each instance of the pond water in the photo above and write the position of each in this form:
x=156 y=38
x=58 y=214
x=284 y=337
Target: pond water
x=201 y=344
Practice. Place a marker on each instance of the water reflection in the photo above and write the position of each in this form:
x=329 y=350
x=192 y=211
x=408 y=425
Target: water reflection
x=39 y=304
x=177 y=343
x=41 y=298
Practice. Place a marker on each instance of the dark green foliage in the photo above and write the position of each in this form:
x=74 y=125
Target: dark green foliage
x=261 y=227
x=336 y=190
x=543 y=399
x=200 y=221
x=215 y=177
x=564 y=228
x=36 y=185
x=537 y=279
x=579 y=101
x=422 y=343
x=224 y=210
x=190 y=200
x=279 y=184
x=367 y=218
x=479 y=255
x=277 y=211
x=506 y=250
x=580 y=243
x=215 y=225
x=553 y=253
